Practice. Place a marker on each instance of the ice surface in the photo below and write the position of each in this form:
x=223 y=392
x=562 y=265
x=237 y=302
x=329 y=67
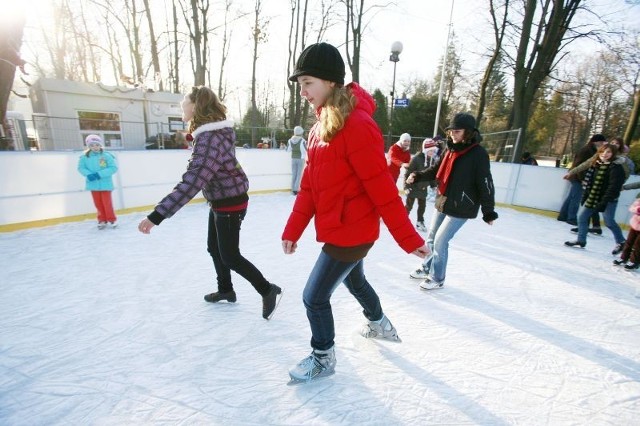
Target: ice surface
x=109 y=327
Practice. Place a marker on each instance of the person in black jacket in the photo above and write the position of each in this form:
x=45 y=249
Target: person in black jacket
x=465 y=185
x=602 y=185
x=420 y=190
x=569 y=210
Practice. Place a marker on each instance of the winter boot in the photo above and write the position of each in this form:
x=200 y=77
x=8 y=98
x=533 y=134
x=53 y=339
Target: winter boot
x=316 y=366
x=420 y=226
x=631 y=266
x=618 y=262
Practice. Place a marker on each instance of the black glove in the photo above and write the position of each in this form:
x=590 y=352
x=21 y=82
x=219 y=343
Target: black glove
x=601 y=206
x=93 y=176
x=490 y=216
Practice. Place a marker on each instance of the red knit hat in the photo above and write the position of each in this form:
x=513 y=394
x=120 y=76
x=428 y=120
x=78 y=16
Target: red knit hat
x=429 y=143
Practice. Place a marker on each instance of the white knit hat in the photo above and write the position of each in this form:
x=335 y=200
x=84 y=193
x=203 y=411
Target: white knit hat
x=93 y=139
x=298 y=131
x=405 y=137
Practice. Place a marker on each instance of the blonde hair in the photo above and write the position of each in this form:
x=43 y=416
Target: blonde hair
x=208 y=107
x=335 y=111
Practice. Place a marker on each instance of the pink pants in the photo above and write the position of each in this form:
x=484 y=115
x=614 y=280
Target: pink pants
x=104 y=205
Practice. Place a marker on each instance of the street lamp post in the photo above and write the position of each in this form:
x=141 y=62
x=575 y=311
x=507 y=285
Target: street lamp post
x=444 y=70
x=396 y=50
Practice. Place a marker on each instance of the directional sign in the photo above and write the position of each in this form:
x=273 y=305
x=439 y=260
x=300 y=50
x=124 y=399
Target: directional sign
x=401 y=103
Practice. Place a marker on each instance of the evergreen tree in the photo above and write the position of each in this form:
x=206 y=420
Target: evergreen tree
x=381 y=114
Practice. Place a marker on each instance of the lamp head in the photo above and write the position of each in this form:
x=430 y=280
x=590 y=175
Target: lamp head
x=396 y=48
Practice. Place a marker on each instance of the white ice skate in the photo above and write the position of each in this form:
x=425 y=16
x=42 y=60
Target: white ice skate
x=318 y=365
x=431 y=284
x=419 y=274
x=382 y=329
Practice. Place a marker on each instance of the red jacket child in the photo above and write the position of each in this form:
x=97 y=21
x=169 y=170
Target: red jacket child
x=399 y=155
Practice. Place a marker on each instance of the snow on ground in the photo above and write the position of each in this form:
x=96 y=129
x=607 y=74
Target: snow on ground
x=109 y=327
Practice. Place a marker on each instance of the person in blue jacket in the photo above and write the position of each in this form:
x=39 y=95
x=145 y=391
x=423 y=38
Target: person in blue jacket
x=98 y=166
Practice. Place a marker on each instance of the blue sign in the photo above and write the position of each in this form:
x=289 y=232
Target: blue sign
x=401 y=103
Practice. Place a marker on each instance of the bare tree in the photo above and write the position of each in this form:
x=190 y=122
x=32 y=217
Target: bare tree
x=175 y=65
x=259 y=36
x=297 y=32
x=133 y=37
x=155 y=59
x=354 y=30
x=296 y=110
x=629 y=59
x=537 y=52
x=498 y=35
x=130 y=25
x=224 y=51
x=197 y=24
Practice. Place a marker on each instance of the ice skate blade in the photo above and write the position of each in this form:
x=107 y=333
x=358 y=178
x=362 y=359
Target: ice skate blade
x=278 y=298
x=394 y=339
x=296 y=382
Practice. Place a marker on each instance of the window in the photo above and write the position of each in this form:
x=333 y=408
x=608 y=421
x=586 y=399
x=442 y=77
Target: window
x=104 y=124
x=175 y=124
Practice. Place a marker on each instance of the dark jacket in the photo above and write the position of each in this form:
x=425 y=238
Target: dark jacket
x=611 y=185
x=470 y=185
x=583 y=154
x=418 y=189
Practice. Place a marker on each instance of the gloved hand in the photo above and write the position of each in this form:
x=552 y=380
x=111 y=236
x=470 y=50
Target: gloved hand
x=489 y=216
x=93 y=176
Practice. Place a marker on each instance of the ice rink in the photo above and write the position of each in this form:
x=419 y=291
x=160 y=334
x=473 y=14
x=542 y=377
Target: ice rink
x=110 y=328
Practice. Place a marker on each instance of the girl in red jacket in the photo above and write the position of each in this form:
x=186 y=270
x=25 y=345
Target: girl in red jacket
x=345 y=188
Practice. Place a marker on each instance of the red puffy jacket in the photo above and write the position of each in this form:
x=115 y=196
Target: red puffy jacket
x=346 y=186
x=397 y=157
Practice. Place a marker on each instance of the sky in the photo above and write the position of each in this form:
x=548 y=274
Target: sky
x=109 y=328
x=421 y=26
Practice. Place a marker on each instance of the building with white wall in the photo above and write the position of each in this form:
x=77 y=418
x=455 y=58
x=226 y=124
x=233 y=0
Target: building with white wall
x=65 y=112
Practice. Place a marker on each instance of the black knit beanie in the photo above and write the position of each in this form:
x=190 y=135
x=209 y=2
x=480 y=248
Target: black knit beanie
x=462 y=120
x=320 y=60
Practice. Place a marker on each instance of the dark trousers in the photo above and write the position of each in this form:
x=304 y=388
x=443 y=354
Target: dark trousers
x=223 y=244
x=631 y=249
x=422 y=206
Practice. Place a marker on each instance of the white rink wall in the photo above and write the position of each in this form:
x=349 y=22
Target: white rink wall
x=38 y=186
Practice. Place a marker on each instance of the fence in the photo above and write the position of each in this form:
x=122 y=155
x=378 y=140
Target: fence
x=49 y=133
x=501 y=146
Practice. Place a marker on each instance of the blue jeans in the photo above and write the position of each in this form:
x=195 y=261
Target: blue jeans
x=569 y=209
x=609 y=220
x=441 y=231
x=325 y=277
x=223 y=244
